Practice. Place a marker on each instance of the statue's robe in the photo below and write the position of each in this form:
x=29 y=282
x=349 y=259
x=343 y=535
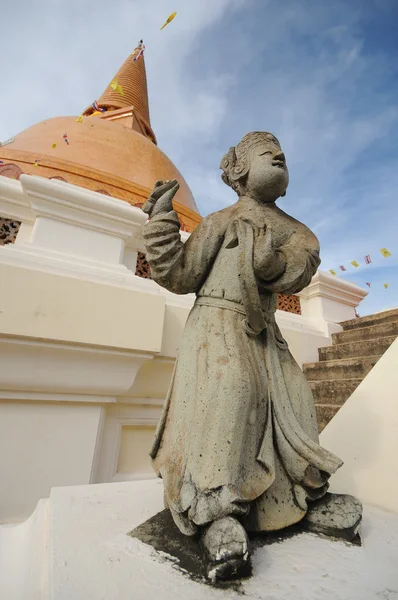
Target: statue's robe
x=238 y=434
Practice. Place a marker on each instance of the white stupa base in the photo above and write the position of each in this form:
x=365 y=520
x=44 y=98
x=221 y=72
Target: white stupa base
x=75 y=547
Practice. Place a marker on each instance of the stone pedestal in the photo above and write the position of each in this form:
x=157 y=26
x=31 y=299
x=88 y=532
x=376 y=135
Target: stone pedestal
x=78 y=540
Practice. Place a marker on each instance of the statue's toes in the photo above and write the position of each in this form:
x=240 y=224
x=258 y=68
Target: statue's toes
x=225 y=550
x=337 y=515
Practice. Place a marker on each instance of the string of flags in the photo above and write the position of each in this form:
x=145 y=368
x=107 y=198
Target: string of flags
x=53 y=146
x=367 y=260
x=168 y=20
x=137 y=54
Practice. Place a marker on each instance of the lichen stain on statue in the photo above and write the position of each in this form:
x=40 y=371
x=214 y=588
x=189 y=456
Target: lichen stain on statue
x=237 y=445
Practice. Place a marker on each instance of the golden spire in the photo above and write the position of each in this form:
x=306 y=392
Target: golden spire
x=128 y=89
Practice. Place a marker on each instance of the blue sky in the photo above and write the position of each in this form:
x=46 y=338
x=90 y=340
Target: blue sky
x=322 y=76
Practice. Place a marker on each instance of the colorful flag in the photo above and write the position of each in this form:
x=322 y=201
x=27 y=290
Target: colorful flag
x=354 y=263
x=65 y=136
x=368 y=284
x=342 y=267
x=386 y=285
x=332 y=272
x=96 y=107
x=116 y=87
x=367 y=259
x=169 y=20
x=385 y=252
x=139 y=51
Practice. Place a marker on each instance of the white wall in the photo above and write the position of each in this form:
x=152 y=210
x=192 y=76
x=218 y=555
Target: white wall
x=43 y=445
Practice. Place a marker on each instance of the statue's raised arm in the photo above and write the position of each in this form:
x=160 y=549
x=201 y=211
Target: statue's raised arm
x=180 y=268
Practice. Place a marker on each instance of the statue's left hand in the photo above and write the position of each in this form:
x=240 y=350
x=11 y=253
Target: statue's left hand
x=161 y=198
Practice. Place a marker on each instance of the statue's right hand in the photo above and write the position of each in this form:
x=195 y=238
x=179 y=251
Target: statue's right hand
x=164 y=191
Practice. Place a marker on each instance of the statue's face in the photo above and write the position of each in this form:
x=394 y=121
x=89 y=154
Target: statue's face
x=268 y=176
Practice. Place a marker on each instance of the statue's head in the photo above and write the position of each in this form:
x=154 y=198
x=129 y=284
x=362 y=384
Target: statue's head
x=256 y=167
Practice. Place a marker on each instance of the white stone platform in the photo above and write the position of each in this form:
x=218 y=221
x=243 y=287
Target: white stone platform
x=75 y=547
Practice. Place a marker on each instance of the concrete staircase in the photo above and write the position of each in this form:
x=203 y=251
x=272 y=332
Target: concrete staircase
x=343 y=366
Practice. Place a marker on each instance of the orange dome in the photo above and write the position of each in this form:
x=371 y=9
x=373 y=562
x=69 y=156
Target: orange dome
x=114 y=153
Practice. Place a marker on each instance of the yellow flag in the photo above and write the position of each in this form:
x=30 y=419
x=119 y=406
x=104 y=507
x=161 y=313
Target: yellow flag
x=36 y=163
x=354 y=263
x=386 y=285
x=385 y=252
x=54 y=145
x=169 y=20
x=116 y=87
x=332 y=272
x=80 y=119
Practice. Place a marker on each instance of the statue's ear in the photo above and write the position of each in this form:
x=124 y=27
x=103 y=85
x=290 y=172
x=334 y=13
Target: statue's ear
x=239 y=171
x=228 y=160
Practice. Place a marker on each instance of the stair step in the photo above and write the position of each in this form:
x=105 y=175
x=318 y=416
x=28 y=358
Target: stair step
x=366 y=333
x=356 y=349
x=386 y=316
x=333 y=391
x=324 y=414
x=356 y=368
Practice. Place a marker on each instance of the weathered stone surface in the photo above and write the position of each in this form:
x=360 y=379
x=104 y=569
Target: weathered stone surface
x=366 y=333
x=333 y=391
x=337 y=515
x=343 y=366
x=324 y=414
x=386 y=316
x=348 y=368
x=376 y=346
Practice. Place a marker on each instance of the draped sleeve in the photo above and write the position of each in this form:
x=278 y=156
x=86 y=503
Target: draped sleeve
x=178 y=267
x=294 y=264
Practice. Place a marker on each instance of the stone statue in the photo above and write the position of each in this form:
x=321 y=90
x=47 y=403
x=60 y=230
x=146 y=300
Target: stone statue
x=237 y=445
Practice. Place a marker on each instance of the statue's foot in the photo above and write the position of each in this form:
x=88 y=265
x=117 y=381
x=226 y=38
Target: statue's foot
x=225 y=549
x=337 y=515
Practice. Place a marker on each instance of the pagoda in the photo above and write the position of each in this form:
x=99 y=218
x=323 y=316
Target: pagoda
x=111 y=148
